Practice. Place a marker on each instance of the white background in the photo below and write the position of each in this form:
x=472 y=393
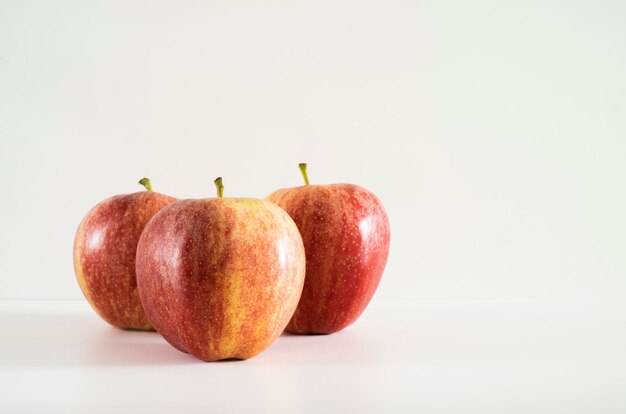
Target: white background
x=494 y=132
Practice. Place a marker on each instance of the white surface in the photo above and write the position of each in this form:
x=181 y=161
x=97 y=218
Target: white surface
x=57 y=356
x=492 y=131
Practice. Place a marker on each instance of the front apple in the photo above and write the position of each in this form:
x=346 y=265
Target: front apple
x=219 y=278
x=345 y=231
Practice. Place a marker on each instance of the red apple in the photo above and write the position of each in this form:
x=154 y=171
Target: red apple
x=104 y=255
x=219 y=278
x=346 y=238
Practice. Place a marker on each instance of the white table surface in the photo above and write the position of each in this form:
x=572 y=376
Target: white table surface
x=57 y=356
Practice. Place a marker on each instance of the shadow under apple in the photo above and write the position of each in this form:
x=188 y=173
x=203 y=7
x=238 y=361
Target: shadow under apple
x=42 y=340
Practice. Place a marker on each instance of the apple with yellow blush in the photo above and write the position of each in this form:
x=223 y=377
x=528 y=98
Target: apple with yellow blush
x=220 y=278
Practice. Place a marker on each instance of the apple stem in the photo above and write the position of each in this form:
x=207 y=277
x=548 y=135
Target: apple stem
x=146 y=183
x=219 y=186
x=302 y=166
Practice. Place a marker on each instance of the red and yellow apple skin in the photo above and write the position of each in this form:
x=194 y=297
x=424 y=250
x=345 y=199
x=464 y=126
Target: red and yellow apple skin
x=220 y=278
x=345 y=230
x=104 y=256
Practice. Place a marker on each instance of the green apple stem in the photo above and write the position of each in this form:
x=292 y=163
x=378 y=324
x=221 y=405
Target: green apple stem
x=146 y=183
x=302 y=166
x=219 y=186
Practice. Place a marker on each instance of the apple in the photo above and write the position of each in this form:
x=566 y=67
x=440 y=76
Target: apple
x=104 y=255
x=345 y=230
x=219 y=278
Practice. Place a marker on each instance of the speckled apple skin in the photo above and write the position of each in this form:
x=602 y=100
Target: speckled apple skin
x=104 y=256
x=345 y=230
x=220 y=278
